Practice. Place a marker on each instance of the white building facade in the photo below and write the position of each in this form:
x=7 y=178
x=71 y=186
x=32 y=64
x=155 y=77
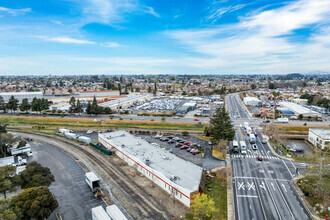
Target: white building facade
x=252 y=101
x=320 y=138
x=178 y=177
x=21 y=95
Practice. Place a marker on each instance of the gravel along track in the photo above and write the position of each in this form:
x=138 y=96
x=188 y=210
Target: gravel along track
x=140 y=204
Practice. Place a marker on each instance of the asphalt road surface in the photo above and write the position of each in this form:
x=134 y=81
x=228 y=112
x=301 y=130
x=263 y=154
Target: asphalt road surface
x=262 y=189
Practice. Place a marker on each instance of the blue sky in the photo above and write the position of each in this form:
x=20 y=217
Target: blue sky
x=164 y=37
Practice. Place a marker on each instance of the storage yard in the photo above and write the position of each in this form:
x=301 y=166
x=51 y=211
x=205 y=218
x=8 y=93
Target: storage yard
x=126 y=185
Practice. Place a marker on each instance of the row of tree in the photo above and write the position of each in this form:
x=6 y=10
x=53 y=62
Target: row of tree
x=75 y=106
x=37 y=105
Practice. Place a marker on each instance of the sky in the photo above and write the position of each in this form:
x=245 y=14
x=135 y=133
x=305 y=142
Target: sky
x=164 y=37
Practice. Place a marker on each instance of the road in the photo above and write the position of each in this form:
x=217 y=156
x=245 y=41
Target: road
x=262 y=189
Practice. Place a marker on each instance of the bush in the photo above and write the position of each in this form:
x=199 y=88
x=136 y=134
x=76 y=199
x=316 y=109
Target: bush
x=120 y=118
x=185 y=133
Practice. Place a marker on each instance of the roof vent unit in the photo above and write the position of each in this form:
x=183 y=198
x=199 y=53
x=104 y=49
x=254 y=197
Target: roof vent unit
x=148 y=162
x=123 y=145
x=123 y=135
x=165 y=157
x=174 y=178
x=109 y=137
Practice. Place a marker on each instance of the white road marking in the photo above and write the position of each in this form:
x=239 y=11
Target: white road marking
x=250 y=186
x=237 y=204
x=263 y=185
x=285 y=201
x=271 y=196
x=241 y=185
x=284 y=187
x=262 y=206
x=287 y=168
x=247 y=196
x=261 y=171
x=272 y=186
x=258 y=178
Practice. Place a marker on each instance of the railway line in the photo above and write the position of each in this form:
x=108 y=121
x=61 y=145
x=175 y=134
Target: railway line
x=147 y=208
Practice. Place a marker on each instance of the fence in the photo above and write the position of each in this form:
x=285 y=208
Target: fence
x=107 y=152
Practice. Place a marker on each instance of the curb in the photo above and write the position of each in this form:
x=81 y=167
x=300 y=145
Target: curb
x=230 y=193
x=302 y=197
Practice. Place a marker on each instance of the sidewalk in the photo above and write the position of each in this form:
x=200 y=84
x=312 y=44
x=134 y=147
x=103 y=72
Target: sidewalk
x=230 y=198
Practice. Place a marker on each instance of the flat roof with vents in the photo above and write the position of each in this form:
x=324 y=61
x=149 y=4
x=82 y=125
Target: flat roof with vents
x=187 y=174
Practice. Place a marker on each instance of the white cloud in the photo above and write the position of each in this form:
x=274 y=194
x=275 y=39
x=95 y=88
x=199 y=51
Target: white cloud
x=113 y=11
x=15 y=12
x=216 y=12
x=68 y=40
x=111 y=44
x=262 y=43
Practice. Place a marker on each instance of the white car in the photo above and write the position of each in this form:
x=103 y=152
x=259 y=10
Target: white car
x=176 y=117
x=29 y=154
x=89 y=132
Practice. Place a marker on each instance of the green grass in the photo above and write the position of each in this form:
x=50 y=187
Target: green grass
x=85 y=124
x=219 y=195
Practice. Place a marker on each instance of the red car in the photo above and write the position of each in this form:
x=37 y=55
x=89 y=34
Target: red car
x=187 y=142
x=184 y=147
x=259 y=158
x=256 y=134
x=196 y=152
x=196 y=119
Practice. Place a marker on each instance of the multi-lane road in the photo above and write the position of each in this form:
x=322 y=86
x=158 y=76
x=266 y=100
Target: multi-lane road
x=262 y=189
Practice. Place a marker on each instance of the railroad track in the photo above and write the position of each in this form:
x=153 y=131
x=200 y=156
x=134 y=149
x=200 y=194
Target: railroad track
x=150 y=211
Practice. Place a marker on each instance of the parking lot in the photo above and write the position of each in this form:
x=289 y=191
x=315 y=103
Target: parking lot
x=299 y=147
x=204 y=160
x=74 y=196
x=159 y=105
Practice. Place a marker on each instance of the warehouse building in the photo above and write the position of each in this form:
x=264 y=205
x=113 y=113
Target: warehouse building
x=320 y=138
x=299 y=110
x=178 y=177
x=21 y=95
x=252 y=101
x=98 y=93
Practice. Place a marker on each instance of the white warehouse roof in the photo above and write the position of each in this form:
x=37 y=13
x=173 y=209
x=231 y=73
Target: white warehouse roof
x=299 y=109
x=249 y=98
x=322 y=133
x=160 y=160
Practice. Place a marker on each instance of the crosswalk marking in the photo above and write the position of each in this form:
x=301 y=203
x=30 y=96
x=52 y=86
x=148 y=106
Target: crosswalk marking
x=254 y=156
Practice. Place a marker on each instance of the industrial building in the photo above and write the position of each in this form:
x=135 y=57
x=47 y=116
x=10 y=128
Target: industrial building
x=299 y=110
x=252 y=101
x=178 y=177
x=186 y=107
x=98 y=93
x=126 y=102
x=320 y=138
x=21 y=95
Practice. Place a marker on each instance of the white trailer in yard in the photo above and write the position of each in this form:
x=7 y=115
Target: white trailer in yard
x=282 y=120
x=98 y=213
x=93 y=181
x=63 y=131
x=22 y=150
x=69 y=135
x=84 y=139
x=115 y=213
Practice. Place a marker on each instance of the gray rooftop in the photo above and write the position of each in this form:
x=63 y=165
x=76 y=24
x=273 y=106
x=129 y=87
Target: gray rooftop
x=323 y=133
x=160 y=159
x=299 y=109
x=121 y=101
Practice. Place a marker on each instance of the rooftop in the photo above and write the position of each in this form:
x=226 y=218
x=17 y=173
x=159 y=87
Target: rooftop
x=99 y=91
x=159 y=159
x=299 y=109
x=121 y=101
x=20 y=93
x=323 y=133
x=92 y=177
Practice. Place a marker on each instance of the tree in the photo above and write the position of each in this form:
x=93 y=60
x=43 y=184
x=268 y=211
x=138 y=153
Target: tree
x=221 y=126
x=107 y=110
x=119 y=88
x=6 y=140
x=253 y=86
x=271 y=86
x=79 y=108
x=36 y=175
x=155 y=89
x=201 y=207
x=185 y=133
x=35 y=104
x=6 y=211
x=207 y=131
x=8 y=179
x=25 y=106
x=72 y=103
x=44 y=104
x=12 y=104
x=163 y=119
x=2 y=104
x=3 y=127
x=300 y=116
x=22 y=143
x=89 y=108
x=35 y=202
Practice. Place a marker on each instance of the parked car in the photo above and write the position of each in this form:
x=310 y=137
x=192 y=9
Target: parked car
x=178 y=145
x=188 y=149
x=155 y=144
x=187 y=142
x=182 y=141
x=89 y=132
x=176 y=117
x=196 y=152
x=158 y=136
x=196 y=119
x=171 y=141
x=184 y=147
x=29 y=154
x=165 y=139
x=170 y=137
